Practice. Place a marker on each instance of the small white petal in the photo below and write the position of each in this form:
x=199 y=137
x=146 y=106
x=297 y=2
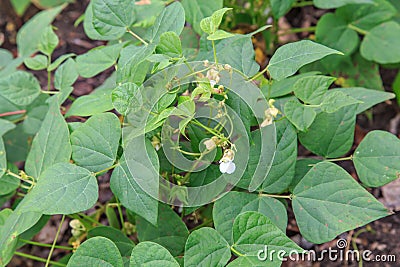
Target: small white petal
x=223 y=167
x=227 y=167
x=212 y=83
x=231 y=168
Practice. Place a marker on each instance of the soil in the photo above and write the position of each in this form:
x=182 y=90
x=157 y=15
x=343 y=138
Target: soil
x=380 y=237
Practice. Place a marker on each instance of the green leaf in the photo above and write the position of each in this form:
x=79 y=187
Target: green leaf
x=367 y=16
x=170 y=231
x=381 y=43
x=233 y=203
x=302 y=167
x=38 y=62
x=97 y=60
x=331 y=134
x=291 y=57
x=328 y=202
x=96 y=251
x=258 y=165
x=95 y=143
x=196 y=10
x=6 y=57
x=338 y=3
x=206 y=247
x=48 y=41
x=280 y=8
x=51 y=144
x=252 y=231
x=311 y=89
x=211 y=24
x=20 y=6
x=129 y=192
x=132 y=64
x=169 y=45
x=283 y=87
x=299 y=115
x=65 y=76
x=111 y=18
x=335 y=100
x=20 y=88
x=333 y=31
x=8 y=183
x=172 y=18
x=74 y=190
x=282 y=169
x=5 y=126
x=253 y=261
x=97 y=102
x=59 y=60
x=377 y=158
x=30 y=34
x=151 y=254
x=368 y=97
x=16 y=224
x=126 y=98
x=17 y=144
x=123 y=243
x=219 y=34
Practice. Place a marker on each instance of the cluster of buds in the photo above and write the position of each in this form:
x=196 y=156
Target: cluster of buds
x=211 y=143
x=156 y=143
x=77 y=228
x=213 y=76
x=226 y=163
x=270 y=113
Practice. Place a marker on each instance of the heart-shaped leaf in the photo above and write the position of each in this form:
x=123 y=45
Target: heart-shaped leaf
x=377 y=158
x=206 y=247
x=328 y=202
x=151 y=254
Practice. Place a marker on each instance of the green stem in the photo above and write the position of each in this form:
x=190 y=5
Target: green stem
x=106 y=169
x=302 y=4
x=50 y=92
x=236 y=252
x=48 y=73
x=55 y=241
x=19 y=177
x=360 y=31
x=340 y=159
x=277 y=196
x=215 y=52
x=43 y=245
x=297 y=30
x=32 y=257
x=259 y=74
x=90 y=219
x=121 y=217
x=137 y=36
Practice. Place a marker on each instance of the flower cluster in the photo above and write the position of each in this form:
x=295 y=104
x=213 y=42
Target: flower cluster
x=270 y=113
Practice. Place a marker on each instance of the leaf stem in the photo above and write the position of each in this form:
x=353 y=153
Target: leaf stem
x=236 y=252
x=215 y=52
x=277 y=196
x=32 y=257
x=121 y=216
x=298 y=30
x=30 y=242
x=48 y=73
x=22 y=111
x=359 y=30
x=137 y=36
x=50 y=92
x=55 y=241
x=106 y=169
x=265 y=70
x=9 y=172
x=340 y=159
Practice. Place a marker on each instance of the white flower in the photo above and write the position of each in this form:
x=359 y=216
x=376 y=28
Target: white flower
x=226 y=163
x=227 y=167
x=210 y=144
x=213 y=76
